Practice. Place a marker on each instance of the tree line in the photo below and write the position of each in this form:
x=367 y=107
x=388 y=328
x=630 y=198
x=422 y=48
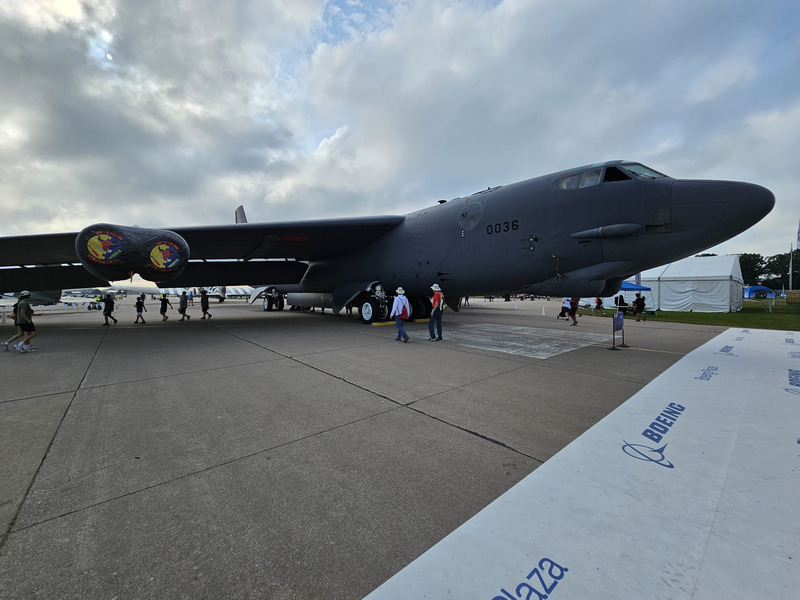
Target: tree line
x=770 y=271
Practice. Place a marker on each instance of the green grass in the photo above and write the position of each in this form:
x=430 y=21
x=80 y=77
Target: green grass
x=753 y=314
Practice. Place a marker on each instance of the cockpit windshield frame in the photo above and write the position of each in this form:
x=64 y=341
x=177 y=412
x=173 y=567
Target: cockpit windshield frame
x=609 y=173
x=641 y=171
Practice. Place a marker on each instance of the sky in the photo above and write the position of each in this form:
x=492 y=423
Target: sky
x=173 y=113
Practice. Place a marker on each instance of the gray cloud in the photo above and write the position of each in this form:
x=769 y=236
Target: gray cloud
x=331 y=109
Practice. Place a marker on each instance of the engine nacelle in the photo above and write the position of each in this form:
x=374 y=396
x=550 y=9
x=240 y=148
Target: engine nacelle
x=113 y=252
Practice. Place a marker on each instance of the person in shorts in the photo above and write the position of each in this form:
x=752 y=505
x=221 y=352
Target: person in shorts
x=25 y=322
x=183 y=303
x=19 y=334
x=164 y=304
x=139 y=309
x=108 y=308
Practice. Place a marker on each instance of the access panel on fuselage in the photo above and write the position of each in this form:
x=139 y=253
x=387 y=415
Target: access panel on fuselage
x=489 y=250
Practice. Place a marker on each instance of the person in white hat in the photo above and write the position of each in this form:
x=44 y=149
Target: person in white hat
x=401 y=310
x=436 y=313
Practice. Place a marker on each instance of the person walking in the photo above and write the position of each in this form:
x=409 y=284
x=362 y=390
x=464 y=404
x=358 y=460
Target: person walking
x=598 y=306
x=24 y=323
x=436 y=313
x=108 y=308
x=17 y=336
x=183 y=303
x=564 y=309
x=140 y=308
x=164 y=304
x=204 y=304
x=401 y=310
x=573 y=310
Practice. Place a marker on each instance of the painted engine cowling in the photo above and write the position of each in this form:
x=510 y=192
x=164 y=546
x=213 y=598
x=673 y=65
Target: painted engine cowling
x=113 y=252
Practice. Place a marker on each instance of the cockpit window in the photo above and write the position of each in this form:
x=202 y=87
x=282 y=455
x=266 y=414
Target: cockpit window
x=581 y=180
x=641 y=171
x=571 y=183
x=623 y=172
x=615 y=174
x=591 y=177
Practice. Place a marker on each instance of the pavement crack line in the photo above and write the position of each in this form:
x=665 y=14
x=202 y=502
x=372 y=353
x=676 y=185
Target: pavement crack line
x=207 y=469
x=7 y=532
x=398 y=405
x=409 y=406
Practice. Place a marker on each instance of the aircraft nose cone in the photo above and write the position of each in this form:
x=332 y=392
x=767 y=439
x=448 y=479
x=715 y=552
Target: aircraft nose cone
x=726 y=208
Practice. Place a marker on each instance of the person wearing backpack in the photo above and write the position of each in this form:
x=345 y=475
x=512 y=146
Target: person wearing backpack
x=19 y=333
x=401 y=310
x=24 y=320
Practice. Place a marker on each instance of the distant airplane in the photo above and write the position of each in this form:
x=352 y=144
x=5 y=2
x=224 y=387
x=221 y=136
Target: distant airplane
x=578 y=232
x=44 y=298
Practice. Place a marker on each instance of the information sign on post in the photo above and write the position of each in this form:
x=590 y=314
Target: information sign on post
x=618 y=325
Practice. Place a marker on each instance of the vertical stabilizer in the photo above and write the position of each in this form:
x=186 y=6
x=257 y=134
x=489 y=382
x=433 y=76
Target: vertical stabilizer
x=240 y=216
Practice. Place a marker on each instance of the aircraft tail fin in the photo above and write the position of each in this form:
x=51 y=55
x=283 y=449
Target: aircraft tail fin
x=240 y=216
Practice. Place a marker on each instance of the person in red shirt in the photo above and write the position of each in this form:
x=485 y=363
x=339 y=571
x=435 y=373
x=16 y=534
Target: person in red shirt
x=436 y=313
x=573 y=309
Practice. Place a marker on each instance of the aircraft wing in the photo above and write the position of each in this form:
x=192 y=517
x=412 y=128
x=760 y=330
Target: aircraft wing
x=686 y=491
x=49 y=260
x=300 y=240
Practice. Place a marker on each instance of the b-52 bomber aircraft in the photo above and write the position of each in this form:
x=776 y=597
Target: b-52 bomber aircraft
x=577 y=232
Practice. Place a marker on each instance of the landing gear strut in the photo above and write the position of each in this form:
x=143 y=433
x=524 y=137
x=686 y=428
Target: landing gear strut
x=373 y=306
x=273 y=301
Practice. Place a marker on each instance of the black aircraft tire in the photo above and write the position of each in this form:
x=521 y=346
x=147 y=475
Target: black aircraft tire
x=383 y=311
x=422 y=308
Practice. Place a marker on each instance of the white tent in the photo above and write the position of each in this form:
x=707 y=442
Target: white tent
x=698 y=283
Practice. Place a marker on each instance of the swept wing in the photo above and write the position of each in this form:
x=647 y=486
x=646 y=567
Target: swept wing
x=226 y=254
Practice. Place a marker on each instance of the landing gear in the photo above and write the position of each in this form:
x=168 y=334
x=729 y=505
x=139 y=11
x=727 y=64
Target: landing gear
x=368 y=309
x=373 y=310
x=373 y=304
x=420 y=307
x=273 y=302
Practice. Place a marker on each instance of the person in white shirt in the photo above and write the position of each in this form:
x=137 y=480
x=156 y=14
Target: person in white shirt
x=401 y=310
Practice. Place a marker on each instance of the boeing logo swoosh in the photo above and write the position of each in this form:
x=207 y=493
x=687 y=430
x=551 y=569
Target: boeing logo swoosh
x=646 y=453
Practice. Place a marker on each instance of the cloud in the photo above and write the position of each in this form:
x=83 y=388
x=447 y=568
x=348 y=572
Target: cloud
x=336 y=108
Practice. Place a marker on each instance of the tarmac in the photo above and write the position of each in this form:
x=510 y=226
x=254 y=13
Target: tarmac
x=285 y=454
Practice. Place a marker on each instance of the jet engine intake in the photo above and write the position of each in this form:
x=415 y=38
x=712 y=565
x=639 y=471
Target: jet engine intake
x=113 y=252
